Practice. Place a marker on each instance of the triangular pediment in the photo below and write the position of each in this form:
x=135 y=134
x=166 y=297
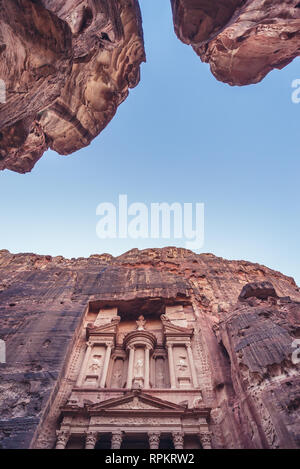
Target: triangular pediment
x=170 y=328
x=109 y=328
x=137 y=401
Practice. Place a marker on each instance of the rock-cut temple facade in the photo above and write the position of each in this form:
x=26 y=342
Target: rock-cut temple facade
x=160 y=348
x=134 y=382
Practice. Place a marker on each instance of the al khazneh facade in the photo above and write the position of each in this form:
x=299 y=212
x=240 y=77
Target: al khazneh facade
x=133 y=381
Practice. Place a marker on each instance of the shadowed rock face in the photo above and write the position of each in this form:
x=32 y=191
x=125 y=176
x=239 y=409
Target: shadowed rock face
x=242 y=40
x=68 y=64
x=67 y=68
x=36 y=58
x=253 y=381
x=261 y=290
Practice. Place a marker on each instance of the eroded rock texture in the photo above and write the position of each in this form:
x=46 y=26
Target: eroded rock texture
x=248 y=376
x=67 y=66
x=242 y=40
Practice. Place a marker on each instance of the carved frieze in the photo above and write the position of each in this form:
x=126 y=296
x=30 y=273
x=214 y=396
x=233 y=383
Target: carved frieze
x=135 y=421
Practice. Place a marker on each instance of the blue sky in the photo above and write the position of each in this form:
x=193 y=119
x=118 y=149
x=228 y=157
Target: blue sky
x=181 y=136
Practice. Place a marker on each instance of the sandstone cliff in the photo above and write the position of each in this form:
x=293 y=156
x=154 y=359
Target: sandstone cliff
x=242 y=40
x=248 y=317
x=67 y=65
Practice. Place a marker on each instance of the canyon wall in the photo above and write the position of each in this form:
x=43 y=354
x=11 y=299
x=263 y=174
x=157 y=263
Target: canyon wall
x=247 y=318
x=68 y=65
x=242 y=40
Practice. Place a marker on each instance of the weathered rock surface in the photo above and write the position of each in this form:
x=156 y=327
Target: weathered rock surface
x=242 y=40
x=248 y=343
x=67 y=66
x=260 y=290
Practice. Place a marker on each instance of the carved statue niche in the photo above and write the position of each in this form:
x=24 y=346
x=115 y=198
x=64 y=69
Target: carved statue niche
x=138 y=370
x=92 y=369
x=96 y=365
x=141 y=323
x=182 y=366
x=160 y=373
x=117 y=373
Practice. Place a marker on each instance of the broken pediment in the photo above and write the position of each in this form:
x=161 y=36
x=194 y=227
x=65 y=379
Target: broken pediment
x=99 y=330
x=173 y=329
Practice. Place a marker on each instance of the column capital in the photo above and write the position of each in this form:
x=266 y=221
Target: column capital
x=205 y=438
x=90 y=439
x=178 y=439
x=116 y=439
x=154 y=438
x=62 y=437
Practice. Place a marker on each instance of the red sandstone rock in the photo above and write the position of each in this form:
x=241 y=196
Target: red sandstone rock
x=249 y=380
x=260 y=290
x=67 y=67
x=241 y=40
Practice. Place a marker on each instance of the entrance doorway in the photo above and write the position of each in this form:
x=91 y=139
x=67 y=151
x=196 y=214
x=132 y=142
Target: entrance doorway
x=135 y=441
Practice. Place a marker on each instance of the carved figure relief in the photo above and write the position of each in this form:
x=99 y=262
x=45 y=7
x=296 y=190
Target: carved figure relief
x=96 y=364
x=141 y=323
x=160 y=379
x=139 y=368
x=117 y=376
x=182 y=366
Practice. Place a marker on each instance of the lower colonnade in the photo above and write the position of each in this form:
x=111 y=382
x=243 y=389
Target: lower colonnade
x=120 y=439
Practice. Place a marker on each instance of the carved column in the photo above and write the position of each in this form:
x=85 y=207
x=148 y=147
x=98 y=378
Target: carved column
x=105 y=366
x=84 y=364
x=147 y=367
x=205 y=438
x=171 y=366
x=154 y=438
x=62 y=439
x=178 y=440
x=116 y=439
x=130 y=367
x=90 y=440
x=192 y=365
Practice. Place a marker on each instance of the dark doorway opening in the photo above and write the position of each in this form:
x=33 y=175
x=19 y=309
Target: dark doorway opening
x=135 y=442
x=104 y=442
x=166 y=442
